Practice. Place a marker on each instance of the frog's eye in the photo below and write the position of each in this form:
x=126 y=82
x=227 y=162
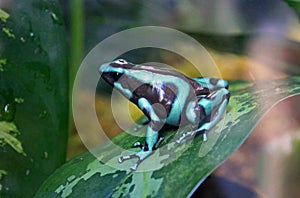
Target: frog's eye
x=115 y=76
x=121 y=61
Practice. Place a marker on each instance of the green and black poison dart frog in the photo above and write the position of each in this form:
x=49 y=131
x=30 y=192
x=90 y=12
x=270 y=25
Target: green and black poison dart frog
x=167 y=97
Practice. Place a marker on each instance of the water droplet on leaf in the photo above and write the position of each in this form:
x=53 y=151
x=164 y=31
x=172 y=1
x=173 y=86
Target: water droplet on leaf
x=19 y=100
x=9 y=111
x=27 y=172
x=2 y=64
x=56 y=19
x=22 y=39
x=43 y=114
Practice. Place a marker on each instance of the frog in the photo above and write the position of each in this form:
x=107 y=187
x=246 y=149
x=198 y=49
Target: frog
x=167 y=97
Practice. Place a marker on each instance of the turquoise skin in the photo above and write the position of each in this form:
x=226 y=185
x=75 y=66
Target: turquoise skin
x=167 y=97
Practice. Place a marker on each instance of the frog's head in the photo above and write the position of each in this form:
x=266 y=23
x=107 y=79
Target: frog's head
x=116 y=73
x=111 y=72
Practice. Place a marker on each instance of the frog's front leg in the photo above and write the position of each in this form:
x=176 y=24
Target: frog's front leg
x=152 y=142
x=209 y=110
x=152 y=135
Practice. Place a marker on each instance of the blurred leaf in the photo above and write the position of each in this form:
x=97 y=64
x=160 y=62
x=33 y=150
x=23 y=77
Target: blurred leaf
x=294 y=4
x=232 y=43
x=77 y=38
x=285 y=50
x=3 y=15
x=85 y=176
x=33 y=94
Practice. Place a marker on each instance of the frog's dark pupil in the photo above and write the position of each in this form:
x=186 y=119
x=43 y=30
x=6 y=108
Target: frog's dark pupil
x=116 y=76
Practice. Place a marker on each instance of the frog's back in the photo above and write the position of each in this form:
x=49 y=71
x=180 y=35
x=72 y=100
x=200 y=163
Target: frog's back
x=160 y=70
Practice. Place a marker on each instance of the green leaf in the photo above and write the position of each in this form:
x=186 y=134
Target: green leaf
x=33 y=94
x=8 y=127
x=2 y=172
x=294 y=4
x=86 y=176
x=8 y=131
x=3 y=15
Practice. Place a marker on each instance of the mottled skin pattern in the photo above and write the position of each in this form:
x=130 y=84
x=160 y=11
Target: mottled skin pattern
x=167 y=97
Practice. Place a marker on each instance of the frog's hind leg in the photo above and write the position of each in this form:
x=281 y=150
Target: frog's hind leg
x=218 y=102
x=210 y=110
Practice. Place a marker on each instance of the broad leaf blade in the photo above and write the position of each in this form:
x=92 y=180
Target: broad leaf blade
x=86 y=176
x=33 y=94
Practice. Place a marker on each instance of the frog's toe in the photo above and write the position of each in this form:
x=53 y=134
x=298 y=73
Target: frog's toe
x=142 y=155
x=139 y=145
x=137 y=128
x=204 y=137
x=134 y=167
x=121 y=159
x=191 y=134
x=159 y=141
x=126 y=157
x=186 y=135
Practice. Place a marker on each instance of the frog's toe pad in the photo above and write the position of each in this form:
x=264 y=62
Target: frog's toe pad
x=121 y=159
x=126 y=157
x=139 y=145
x=137 y=128
x=134 y=167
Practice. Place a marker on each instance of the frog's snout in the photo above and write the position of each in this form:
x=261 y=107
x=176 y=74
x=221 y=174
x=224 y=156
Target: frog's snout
x=102 y=68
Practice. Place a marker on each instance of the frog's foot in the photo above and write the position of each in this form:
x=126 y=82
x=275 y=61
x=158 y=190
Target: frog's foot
x=138 y=127
x=190 y=135
x=142 y=155
x=140 y=145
